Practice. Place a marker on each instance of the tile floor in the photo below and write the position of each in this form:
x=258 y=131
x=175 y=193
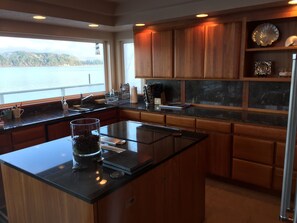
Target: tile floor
x=226 y=203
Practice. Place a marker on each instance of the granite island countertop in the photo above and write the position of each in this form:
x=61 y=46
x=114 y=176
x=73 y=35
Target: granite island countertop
x=52 y=162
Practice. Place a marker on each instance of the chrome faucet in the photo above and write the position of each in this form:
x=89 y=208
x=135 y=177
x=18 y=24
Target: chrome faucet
x=82 y=99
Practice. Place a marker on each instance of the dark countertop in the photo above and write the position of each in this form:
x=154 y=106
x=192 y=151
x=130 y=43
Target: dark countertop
x=55 y=114
x=219 y=114
x=52 y=162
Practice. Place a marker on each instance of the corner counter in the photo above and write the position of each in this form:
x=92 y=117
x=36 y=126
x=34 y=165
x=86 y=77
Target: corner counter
x=41 y=186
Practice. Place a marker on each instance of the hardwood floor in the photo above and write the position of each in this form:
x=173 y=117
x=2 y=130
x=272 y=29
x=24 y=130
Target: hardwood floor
x=227 y=203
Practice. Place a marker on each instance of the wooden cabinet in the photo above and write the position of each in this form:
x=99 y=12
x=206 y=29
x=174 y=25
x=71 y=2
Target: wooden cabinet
x=5 y=142
x=152 y=117
x=143 y=54
x=222 y=50
x=129 y=115
x=189 y=52
x=58 y=130
x=153 y=54
x=28 y=136
x=106 y=117
x=252 y=173
x=162 y=49
x=255 y=154
x=187 y=123
x=219 y=146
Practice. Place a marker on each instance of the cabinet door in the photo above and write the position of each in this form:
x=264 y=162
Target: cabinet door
x=58 y=130
x=5 y=143
x=189 y=52
x=222 y=50
x=253 y=173
x=106 y=116
x=143 y=54
x=152 y=117
x=162 y=43
x=28 y=136
x=129 y=115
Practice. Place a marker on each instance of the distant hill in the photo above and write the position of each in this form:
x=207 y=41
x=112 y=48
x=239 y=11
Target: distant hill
x=25 y=59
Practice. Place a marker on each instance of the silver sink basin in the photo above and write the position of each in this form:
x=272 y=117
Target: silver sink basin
x=86 y=108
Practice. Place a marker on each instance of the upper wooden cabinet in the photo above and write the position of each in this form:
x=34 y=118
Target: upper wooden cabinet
x=162 y=44
x=189 y=52
x=154 y=54
x=222 y=50
x=143 y=54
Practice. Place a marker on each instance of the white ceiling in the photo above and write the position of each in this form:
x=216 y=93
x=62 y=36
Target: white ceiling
x=117 y=15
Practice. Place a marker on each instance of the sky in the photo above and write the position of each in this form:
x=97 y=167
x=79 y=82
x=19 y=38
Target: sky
x=81 y=50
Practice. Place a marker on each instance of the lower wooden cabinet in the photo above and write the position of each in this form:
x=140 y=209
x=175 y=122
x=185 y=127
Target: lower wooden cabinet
x=5 y=142
x=278 y=179
x=106 y=117
x=58 y=130
x=252 y=173
x=152 y=117
x=219 y=146
x=129 y=115
x=28 y=136
x=187 y=123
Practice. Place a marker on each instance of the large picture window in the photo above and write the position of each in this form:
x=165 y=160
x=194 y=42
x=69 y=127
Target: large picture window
x=33 y=69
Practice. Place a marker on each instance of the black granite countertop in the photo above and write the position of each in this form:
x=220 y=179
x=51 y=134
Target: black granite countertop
x=32 y=117
x=52 y=162
x=55 y=114
x=277 y=120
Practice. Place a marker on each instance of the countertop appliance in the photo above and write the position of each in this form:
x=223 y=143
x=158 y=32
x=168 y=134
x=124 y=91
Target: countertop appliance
x=289 y=152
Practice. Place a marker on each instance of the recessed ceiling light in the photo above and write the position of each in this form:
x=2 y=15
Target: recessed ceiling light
x=93 y=25
x=39 y=17
x=139 y=24
x=293 y=2
x=202 y=15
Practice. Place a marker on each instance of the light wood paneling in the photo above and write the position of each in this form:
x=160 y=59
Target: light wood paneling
x=276 y=134
x=189 y=52
x=162 y=43
x=35 y=201
x=257 y=150
x=253 y=173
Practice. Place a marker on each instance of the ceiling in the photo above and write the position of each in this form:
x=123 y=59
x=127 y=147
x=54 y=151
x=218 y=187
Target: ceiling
x=118 y=15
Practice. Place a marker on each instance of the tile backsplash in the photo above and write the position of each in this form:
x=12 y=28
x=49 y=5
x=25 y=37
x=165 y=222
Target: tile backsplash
x=269 y=95
x=226 y=93
x=262 y=95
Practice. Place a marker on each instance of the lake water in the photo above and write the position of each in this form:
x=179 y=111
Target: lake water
x=15 y=79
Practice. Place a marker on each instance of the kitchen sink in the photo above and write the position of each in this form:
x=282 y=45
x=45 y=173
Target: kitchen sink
x=87 y=107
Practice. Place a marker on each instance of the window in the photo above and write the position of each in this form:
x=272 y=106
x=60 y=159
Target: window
x=129 y=68
x=32 y=69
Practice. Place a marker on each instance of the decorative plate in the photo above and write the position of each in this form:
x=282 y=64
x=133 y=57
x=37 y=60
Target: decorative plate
x=291 y=41
x=265 y=34
x=263 y=68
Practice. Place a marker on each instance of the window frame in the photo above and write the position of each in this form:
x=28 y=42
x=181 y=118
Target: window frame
x=107 y=64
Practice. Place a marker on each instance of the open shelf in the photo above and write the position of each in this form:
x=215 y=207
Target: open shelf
x=267 y=79
x=279 y=48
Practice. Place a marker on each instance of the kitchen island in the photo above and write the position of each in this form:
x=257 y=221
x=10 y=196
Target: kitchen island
x=41 y=186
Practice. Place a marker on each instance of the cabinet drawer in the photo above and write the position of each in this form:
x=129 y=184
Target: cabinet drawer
x=152 y=117
x=253 y=173
x=253 y=149
x=280 y=155
x=216 y=126
x=180 y=121
x=129 y=115
x=278 y=179
x=5 y=143
x=260 y=132
x=103 y=115
x=28 y=137
x=58 y=130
